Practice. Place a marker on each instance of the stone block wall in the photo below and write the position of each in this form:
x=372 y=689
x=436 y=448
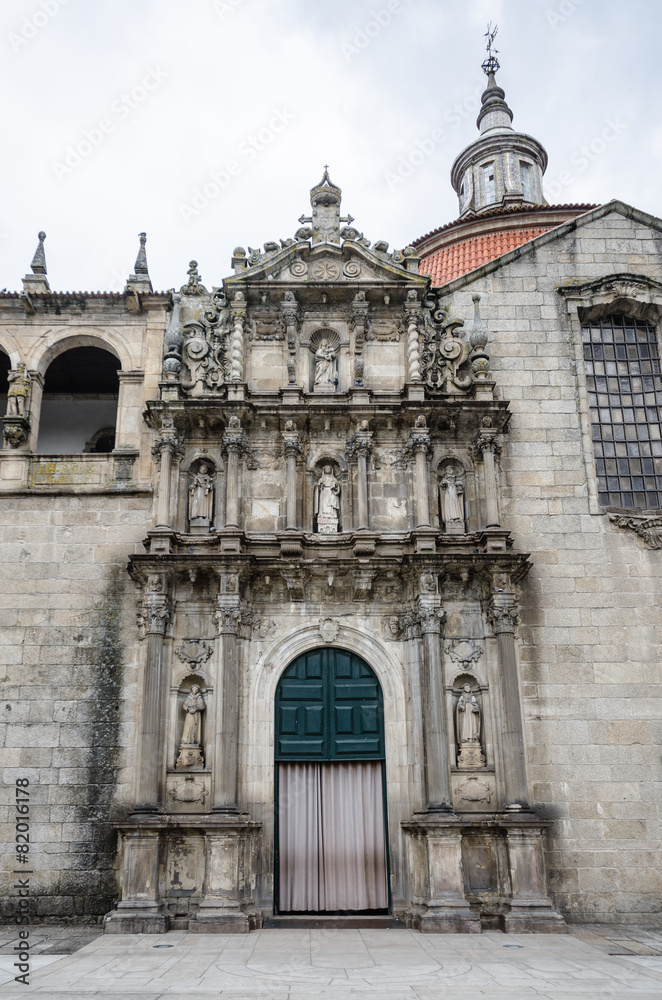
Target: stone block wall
x=591 y=625
x=68 y=670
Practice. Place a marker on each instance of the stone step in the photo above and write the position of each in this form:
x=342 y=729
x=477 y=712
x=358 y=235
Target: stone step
x=330 y=920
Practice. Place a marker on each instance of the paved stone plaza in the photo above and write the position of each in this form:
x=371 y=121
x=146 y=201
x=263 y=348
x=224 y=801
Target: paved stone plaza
x=587 y=964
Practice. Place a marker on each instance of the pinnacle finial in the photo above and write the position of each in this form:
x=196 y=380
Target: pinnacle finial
x=491 y=64
x=140 y=266
x=38 y=264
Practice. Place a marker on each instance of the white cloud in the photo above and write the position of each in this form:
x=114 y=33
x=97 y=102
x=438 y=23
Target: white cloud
x=226 y=75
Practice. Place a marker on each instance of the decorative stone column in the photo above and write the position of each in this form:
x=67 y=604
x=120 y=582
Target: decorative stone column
x=152 y=620
x=163 y=451
x=361 y=446
x=227 y=619
x=359 y=322
x=233 y=445
x=238 y=308
x=488 y=447
x=437 y=779
x=292 y=449
x=290 y=312
x=420 y=444
x=502 y=615
x=412 y=317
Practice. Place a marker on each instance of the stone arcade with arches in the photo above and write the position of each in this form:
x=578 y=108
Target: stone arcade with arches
x=388 y=641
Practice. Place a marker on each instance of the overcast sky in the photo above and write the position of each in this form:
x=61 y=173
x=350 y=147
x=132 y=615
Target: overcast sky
x=206 y=122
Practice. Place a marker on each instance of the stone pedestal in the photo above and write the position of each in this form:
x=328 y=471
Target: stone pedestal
x=223 y=871
x=531 y=912
x=139 y=911
x=225 y=907
x=439 y=903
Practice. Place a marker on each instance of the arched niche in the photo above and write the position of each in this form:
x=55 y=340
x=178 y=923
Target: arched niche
x=452 y=496
x=323 y=494
x=324 y=361
x=202 y=495
x=79 y=402
x=191 y=725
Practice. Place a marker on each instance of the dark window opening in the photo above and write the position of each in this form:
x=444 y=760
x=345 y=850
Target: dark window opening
x=625 y=398
x=79 y=405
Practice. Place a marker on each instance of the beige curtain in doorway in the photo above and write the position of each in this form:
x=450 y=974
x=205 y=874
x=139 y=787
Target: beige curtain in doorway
x=332 y=848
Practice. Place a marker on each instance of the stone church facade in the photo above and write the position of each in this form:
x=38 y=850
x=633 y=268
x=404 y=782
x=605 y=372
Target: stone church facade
x=391 y=521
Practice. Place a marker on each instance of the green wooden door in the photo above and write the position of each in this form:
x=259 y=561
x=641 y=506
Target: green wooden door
x=329 y=706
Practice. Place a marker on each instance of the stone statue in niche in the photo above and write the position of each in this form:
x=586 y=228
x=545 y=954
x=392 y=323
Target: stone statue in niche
x=18 y=391
x=326 y=367
x=467 y=720
x=190 y=747
x=452 y=501
x=327 y=502
x=201 y=498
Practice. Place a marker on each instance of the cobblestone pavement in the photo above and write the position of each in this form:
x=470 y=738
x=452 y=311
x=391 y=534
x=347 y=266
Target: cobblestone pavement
x=591 y=963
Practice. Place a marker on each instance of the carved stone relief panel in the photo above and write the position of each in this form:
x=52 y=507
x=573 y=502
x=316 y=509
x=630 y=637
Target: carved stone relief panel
x=185 y=865
x=188 y=792
x=474 y=792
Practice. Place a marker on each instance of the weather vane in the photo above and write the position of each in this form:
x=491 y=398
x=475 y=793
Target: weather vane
x=491 y=64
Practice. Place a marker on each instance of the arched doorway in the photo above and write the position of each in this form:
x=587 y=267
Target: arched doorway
x=331 y=852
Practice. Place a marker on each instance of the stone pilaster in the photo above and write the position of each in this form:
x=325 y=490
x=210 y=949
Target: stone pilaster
x=152 y=619
x=292 y=449
x=420 y=444
x=502 y=616
x=233 y=446
x=163 y=451
x=227 y=619
x=360 y=447
x=487 y=449
x=437 y=778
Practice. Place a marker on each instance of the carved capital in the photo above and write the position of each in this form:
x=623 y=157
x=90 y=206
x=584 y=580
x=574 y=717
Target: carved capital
x=431 y=619
x=502 y=618
x=227 y=620
x=153 y=618
x=486 y=441
x=291 y=444
x=398 y=628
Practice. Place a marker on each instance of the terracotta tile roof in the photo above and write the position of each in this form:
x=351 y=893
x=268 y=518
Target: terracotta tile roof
x=462 y=256
x=500 y=212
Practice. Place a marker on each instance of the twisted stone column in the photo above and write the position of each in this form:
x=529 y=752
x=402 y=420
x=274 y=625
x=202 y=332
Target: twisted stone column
x=437 y=778
x=152 y=619
x=237 y=342
x=412 y=314
x=420 y=443
x=502 y=616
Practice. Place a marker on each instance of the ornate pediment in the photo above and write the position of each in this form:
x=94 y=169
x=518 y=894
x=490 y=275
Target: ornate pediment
x=323 y=249
x=348 y=262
